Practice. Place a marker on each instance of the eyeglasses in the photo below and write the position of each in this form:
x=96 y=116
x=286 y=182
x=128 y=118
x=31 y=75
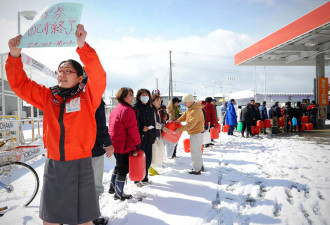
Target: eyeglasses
x=66 y=72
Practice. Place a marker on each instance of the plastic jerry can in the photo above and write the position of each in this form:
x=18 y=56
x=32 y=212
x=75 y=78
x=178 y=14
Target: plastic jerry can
x=225 y=128
x=281 y=122
x=267 y=123
x=309 y=126
x=239 y=126
x=186 y=145
x=304 y=119
x=303 y=127
x=260 y=124
x=137 y=165
x=294 y=121
x=255 y=129
x=214 y=133
x=169 y=135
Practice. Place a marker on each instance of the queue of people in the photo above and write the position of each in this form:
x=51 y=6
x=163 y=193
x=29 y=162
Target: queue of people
x=76 y=136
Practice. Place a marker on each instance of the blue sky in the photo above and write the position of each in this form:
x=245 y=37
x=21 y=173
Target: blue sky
x=133 y=38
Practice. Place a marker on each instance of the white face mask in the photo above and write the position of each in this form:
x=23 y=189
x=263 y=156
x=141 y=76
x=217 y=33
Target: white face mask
x=144 y=99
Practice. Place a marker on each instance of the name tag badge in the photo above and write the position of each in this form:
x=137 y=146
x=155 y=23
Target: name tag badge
x=73 y=105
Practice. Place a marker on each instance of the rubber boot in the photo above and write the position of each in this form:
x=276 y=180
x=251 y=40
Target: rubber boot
x=119 y=189
x=112 y=184
x=152 y=171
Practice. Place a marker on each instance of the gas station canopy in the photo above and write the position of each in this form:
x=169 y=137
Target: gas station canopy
x=296 y=44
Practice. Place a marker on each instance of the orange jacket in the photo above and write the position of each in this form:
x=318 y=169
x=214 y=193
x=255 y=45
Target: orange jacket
x=67 y=136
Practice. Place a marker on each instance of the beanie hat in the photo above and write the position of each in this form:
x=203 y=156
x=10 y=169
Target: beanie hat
x=188 y=98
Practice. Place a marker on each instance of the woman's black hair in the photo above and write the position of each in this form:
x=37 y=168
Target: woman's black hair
x=140 y=92
x=75 y=64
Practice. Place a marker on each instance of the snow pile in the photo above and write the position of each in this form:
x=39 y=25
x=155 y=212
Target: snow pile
x=260 y=180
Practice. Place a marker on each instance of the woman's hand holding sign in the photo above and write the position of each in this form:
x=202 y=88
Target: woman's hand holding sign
x=12 y=44
x=81 y=35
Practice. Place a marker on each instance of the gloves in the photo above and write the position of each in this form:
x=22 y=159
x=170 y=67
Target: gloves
x=138 y=147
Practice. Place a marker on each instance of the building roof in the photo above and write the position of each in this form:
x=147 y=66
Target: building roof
x=296 y=44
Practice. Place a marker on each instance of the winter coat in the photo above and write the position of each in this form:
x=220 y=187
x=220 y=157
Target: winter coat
x=145 y=117
x=276 y=111
x=254 y=112
x=247 y=115
x=231 y=117
x=102 y=135
x=298 y=112
x=270 y=113
x=173 y=114
x=313 y=109
x=194 y=119
x=288 y=112
x=239 y=115
x=210 y=114
x=263 y=112
x=123 y=129
x=66 y=135
x=158 y=121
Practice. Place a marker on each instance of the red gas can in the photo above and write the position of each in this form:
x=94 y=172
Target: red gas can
x=260 y=124
x=255 y=129
x=214 y=133
x=267 y=123
x=169 y=135
x=309 y=126
x=304 y=119
x=186 y=145
x=225 y=128
x=281 y=122
x=137 y=165
x=303 y=127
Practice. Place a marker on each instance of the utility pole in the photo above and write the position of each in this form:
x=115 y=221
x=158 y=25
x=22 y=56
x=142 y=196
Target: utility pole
x=170 y=88
x=156 y=83
x=265 y=81
x=255 y=83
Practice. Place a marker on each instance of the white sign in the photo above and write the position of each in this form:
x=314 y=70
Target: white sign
x=9 y=125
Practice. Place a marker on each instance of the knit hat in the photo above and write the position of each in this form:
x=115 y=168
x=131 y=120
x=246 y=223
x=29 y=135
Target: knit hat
x=188 y=98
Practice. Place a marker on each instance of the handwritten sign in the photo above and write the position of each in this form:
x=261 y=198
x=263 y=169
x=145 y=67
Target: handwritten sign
x=323 y=91
x=55 y=27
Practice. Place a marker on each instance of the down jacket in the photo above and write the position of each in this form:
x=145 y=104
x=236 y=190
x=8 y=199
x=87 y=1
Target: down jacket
x=123 y=129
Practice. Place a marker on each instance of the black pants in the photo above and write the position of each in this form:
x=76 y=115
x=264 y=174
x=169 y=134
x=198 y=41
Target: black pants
x=298 y=124
x=313 y=120
x=174 y=153
x=288 y=127
x=122 y=164
x=246 y=126
x=147 y=148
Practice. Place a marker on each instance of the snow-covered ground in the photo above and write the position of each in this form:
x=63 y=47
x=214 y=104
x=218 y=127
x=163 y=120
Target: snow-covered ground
x=261 y=180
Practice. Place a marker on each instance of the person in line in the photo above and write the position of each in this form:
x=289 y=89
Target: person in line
x=247 y=120
x=146 y=124
x=68 y=194
x=263 y=115
x=276 y=115
x=239 y=113
x=288 y=112
x=210 y=116
x=103 y=145
x=231 y=117
x=313 y=110
x=223 y=113
x=174 y=112
x=158 y=146
x=125 y=138
x=214 y=103
x=298 y=114
x=195 y=127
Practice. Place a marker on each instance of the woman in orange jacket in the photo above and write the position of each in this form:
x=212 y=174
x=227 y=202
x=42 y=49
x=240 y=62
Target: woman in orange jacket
x=68 y=195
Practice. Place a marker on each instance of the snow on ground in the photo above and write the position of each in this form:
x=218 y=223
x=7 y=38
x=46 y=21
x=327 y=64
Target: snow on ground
x=280 y=179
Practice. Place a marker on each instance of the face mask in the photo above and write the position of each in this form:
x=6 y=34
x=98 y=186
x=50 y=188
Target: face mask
x=144 y=99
